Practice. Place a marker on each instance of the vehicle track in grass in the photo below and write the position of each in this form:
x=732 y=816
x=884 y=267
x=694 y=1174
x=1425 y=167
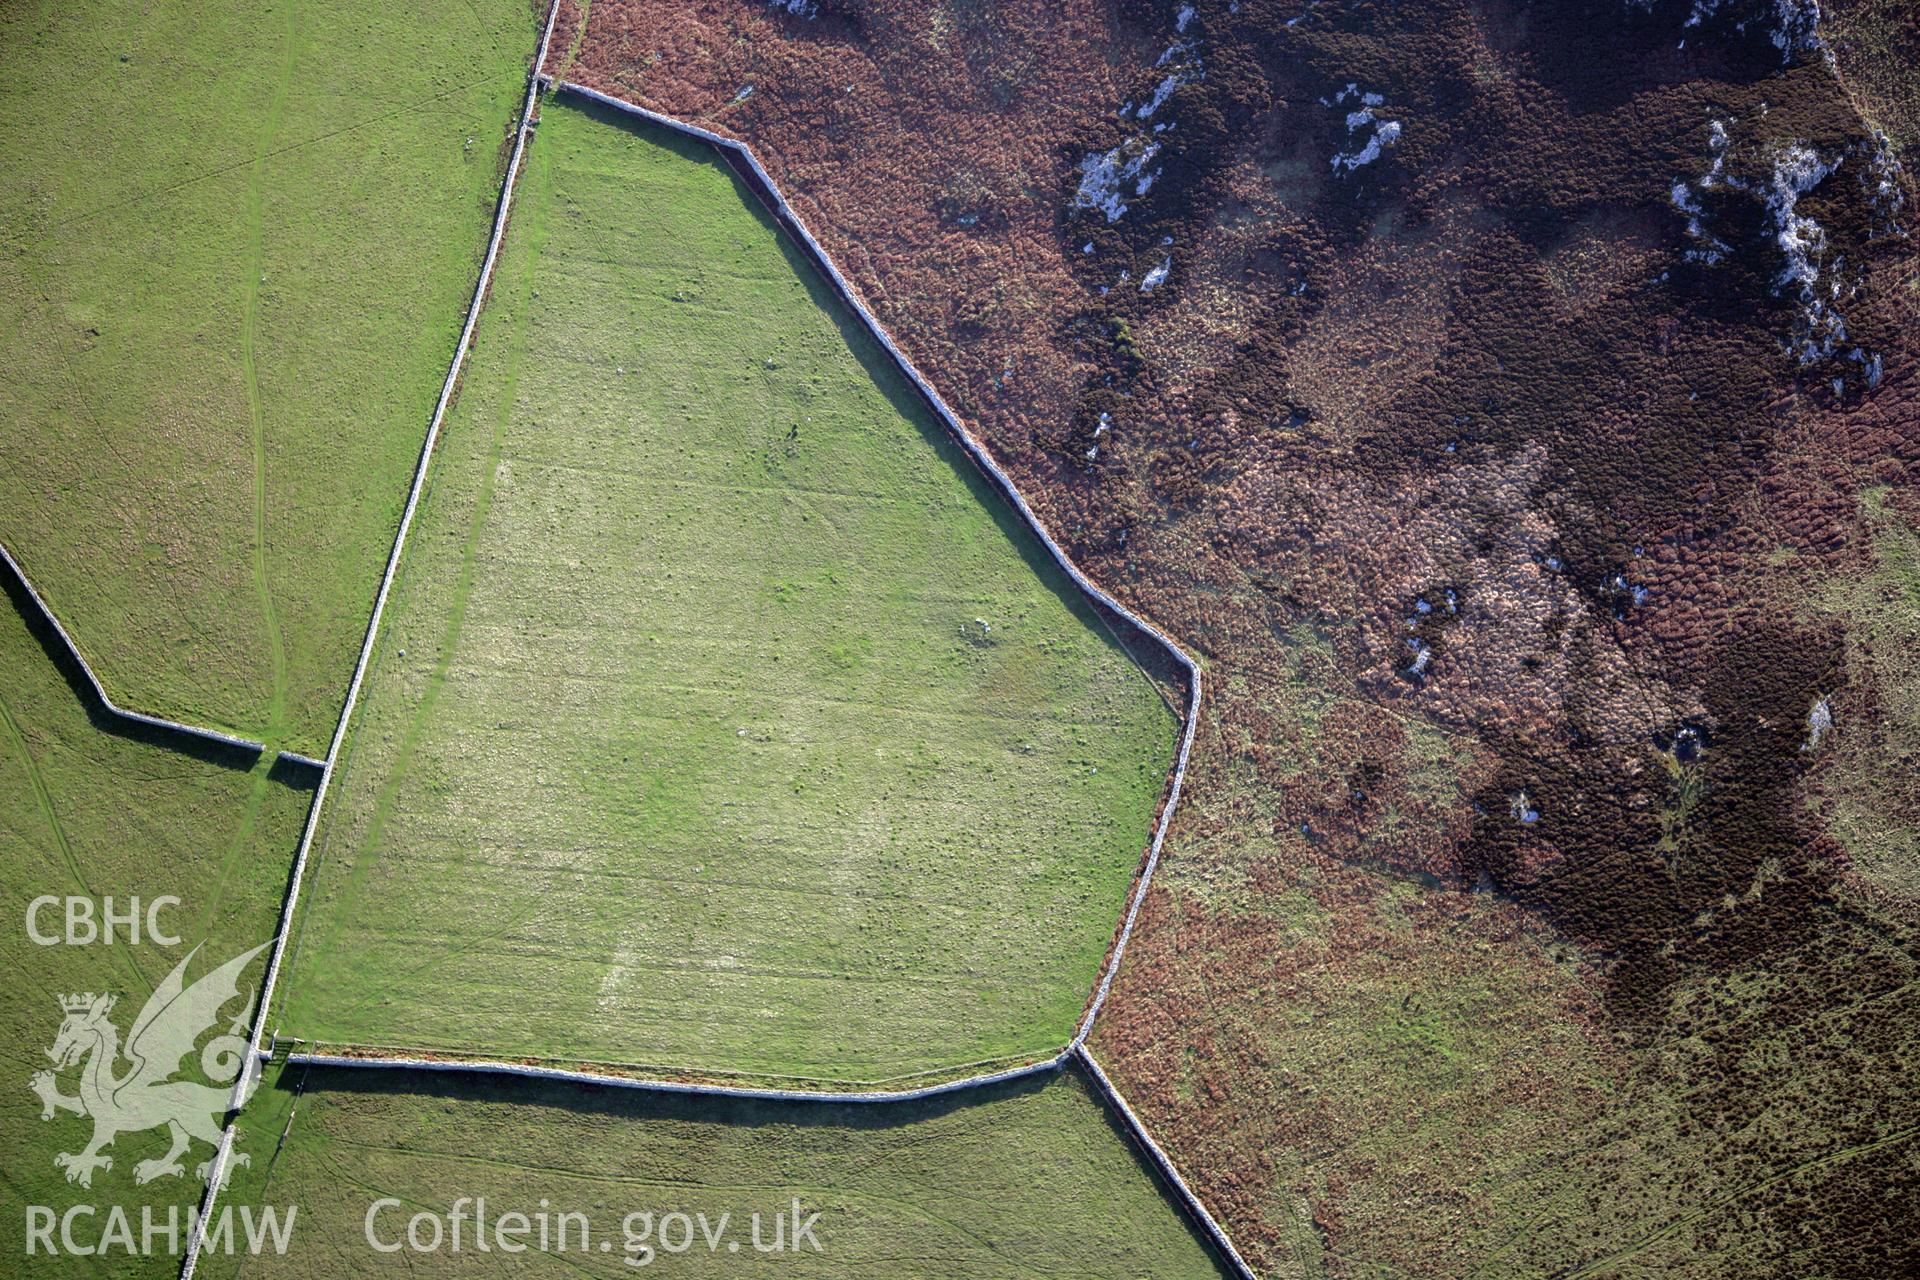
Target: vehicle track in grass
x=249 y=363
x=1601 y=1266
x=41 y=797
x=262 y=780
x=219 y=1171
x=43 y=801
x=567 y=59
x=250 y=317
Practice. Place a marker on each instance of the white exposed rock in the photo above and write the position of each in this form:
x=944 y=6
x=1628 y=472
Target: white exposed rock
x=1186 y=67
x=1796 y=27
x=1880 y=175
x=1385 y=136
x=1380 y=133
x=1819 y=722
x=1805 y=274
x=1798 y=169
x=1710 y=248
x=1873 y=365
x=1792 y=25
x=1156 y=277
x=1160 y=96
x=1103 y=175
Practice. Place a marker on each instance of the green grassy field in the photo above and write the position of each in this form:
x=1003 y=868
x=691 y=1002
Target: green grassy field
x=1024 y=1181
x=236 y=244
x=84 y=812
x=723 y=720
x=1871 y=799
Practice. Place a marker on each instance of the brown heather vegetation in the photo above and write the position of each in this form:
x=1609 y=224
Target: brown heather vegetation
x=1665 y=1027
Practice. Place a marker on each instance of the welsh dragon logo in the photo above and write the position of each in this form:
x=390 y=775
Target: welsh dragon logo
x=147 y=1095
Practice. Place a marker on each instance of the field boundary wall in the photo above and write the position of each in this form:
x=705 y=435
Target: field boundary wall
x=264 y=1006
x=114 y=710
